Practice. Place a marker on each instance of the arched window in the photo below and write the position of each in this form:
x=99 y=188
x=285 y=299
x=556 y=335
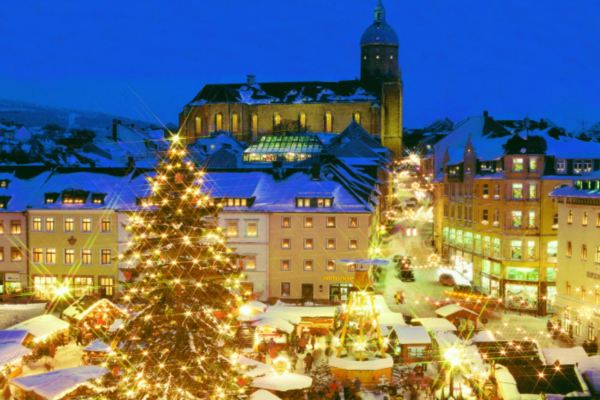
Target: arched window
x=356 y=117
x=234 y=123
x=219 y=122
x=254 y=124
x=198 y=126
x=328 y=122
x=276 y=121
x=302 y=120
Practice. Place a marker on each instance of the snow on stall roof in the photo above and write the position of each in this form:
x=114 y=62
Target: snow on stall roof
x=118 y=324
x=283 y=382
x=256 y=305
x=41 y=326
x=291 y=318
x=262 y=394
x=593 y=379
x=571 y=356
x=274 y=322
x=308 y=312
x=11 y=351
x=74 y=310
x=435 y=324
x=446 y=339
x=53 y=384
x=257 y=368
x=482 y=336
x=412 y=335
x=98 y=346
x=371 y=364
x=507 y=384
x=452 y=309
x=13 y=336
x=387 y=317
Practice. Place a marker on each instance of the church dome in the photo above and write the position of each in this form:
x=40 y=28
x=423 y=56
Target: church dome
x=380 y=31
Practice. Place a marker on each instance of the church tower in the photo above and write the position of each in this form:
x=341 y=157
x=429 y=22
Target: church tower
x=379 y=61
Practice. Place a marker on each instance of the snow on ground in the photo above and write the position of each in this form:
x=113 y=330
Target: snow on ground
x=68 y=356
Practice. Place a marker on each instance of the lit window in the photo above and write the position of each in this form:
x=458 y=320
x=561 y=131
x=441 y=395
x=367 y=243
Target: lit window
x=49 y=224
x=330 y=266
x=569 y=249
x=232 y=228
x=496 y=191
x=37 y=224
x=587 y=165
x=300 y=202
x=302 y=120
x=597 y=258
x=286 y=222
x=219 y=122
x=15 y=254
x=38 y=255
x=330 y=244
x=516 y=250
x=327 y=202
x=517 y=221
x=561 y=166
x=15 y=227
x=105 y=257
x=105 y=225
x=86 y=225
x=531 y=220
x=320 y=202
x=235 y=123
x=517 y=191
x=252 y=229
x=308 y=222
x=306 y=202
x=250 y=262
x=198 y=125
x=276 y=121
x=584 y=219
x=577 y=166
x=485 y=216
x=286 y=265
x=486 y=191
x=254 y=124
x=533 y=165
x=570 y=217
x=50 y=256
x=552 y=249
x=286 y=289
x=86 y=256
x=353 y=244
x=2 y=226
x=308 y=265
x=331 y=222
x=286 y=243
x=531 y=250
x=1 y=254
x=356 y=117
x=351 y=267
x=584 y=252
x=308 y=244
x=69 y=256
x=69 y=224
x=353 y=222
x=532 y=192
x=328 y=122
x=517 y=164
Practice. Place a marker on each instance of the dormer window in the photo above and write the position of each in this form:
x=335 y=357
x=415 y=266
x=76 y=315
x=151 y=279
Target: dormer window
x=50 y=198
x=238 y=202
x=4 y=201
x=143 y=201
x=75 y=196
x=98 y=198
x=317 y=202
x=4 y=183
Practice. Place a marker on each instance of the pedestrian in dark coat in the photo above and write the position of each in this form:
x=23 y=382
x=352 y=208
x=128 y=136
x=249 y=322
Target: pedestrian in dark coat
x=308 y=361
x=549 y=326
x=313 y=341
x=346 y=385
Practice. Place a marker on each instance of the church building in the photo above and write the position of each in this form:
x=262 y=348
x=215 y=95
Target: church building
x=252 y=109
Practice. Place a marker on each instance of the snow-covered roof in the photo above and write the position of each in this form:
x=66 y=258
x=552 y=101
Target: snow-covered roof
x=255 y=368
x=371 y=364
x=387 y=317
x=412 y=335
x=98 y=346
x=11 y=351
x=262 y=394
x=308 y=312
x=507 y=384
x=489 y=149
x=435 y=324
x=291 y=318
x=118 y=324
x=22 y=189
x=55 y=384
x=571 y=356
x=452 y=309
x=41 y=326
x=13 y=336
x=74 y=310
x=283 y=382
x=446 y=339
x=273 y=322
x=256 y=305
x=482 y=336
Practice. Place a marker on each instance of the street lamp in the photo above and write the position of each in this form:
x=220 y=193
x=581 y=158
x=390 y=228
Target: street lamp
x=455 y=356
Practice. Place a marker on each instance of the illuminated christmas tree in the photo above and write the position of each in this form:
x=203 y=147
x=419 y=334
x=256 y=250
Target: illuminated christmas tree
x=180 y=342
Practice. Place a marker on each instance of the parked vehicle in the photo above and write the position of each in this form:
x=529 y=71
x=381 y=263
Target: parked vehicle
x=406 y=275
x=447 y=279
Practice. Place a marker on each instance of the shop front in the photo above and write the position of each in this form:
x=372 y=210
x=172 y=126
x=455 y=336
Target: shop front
x=521 y=295
x=490 y=277
x=551 y=296
x=10 y=283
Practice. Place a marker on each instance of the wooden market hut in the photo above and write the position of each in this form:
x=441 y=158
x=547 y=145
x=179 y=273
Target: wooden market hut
x=412 y=343
x=453 y=312
x=313 y=320
x=272 y=328
x=97 y=352
x=12 y=350
x=62 y=384
x=93 y=312
x=41 y=328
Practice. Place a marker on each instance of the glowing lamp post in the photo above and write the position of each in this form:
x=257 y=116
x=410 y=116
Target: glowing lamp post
x=455 y=356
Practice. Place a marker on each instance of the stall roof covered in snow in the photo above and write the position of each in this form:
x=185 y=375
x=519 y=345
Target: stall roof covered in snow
x=11 y=347
x=307 y=312
x=412 y=335
x=273 y=322
x=371 y=364
x=41 y=326
x=75 y=310
x=482 y=336
x=573 y=355
x=262 y=394
x=98 y=346
x=435 y=324
x=283 y=382
x=53 y=384
x=452 y=309
x=256 y=368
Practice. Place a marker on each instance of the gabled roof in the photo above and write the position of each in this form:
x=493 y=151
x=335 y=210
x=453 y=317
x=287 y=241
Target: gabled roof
x=222 y=158
x=53 y=385
x=289 y=92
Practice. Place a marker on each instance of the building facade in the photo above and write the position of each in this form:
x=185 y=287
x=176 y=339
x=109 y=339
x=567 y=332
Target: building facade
x=251 y=110
x=577 y=301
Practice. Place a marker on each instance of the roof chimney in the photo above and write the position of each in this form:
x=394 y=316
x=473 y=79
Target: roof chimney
x=251 y=79
x=315 y=172
x=485 y=113
x=115 y=123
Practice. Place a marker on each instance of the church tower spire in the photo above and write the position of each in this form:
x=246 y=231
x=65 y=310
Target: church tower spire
x=379 y=13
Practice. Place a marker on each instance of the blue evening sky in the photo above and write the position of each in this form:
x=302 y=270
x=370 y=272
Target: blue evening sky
x=146 y=59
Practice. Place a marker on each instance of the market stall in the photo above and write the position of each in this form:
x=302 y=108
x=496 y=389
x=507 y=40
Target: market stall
x=43 y=328
x=69 y=383
x=311 y=320
x=458 y=315
x=411 y=343
x=96 y=353
x=12 y=350
x=272 y=328
x=100 y=314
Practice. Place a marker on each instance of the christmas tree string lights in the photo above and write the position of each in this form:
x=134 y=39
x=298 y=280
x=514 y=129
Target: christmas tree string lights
x=180 y=341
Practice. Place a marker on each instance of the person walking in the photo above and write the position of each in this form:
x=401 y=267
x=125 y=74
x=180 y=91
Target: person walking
x=302 y=345
x=313 y=341
x=549 y=326
x=294 y=360
x=79 y=338
x=346 y=385
x=357 y=384
x=308 y=361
